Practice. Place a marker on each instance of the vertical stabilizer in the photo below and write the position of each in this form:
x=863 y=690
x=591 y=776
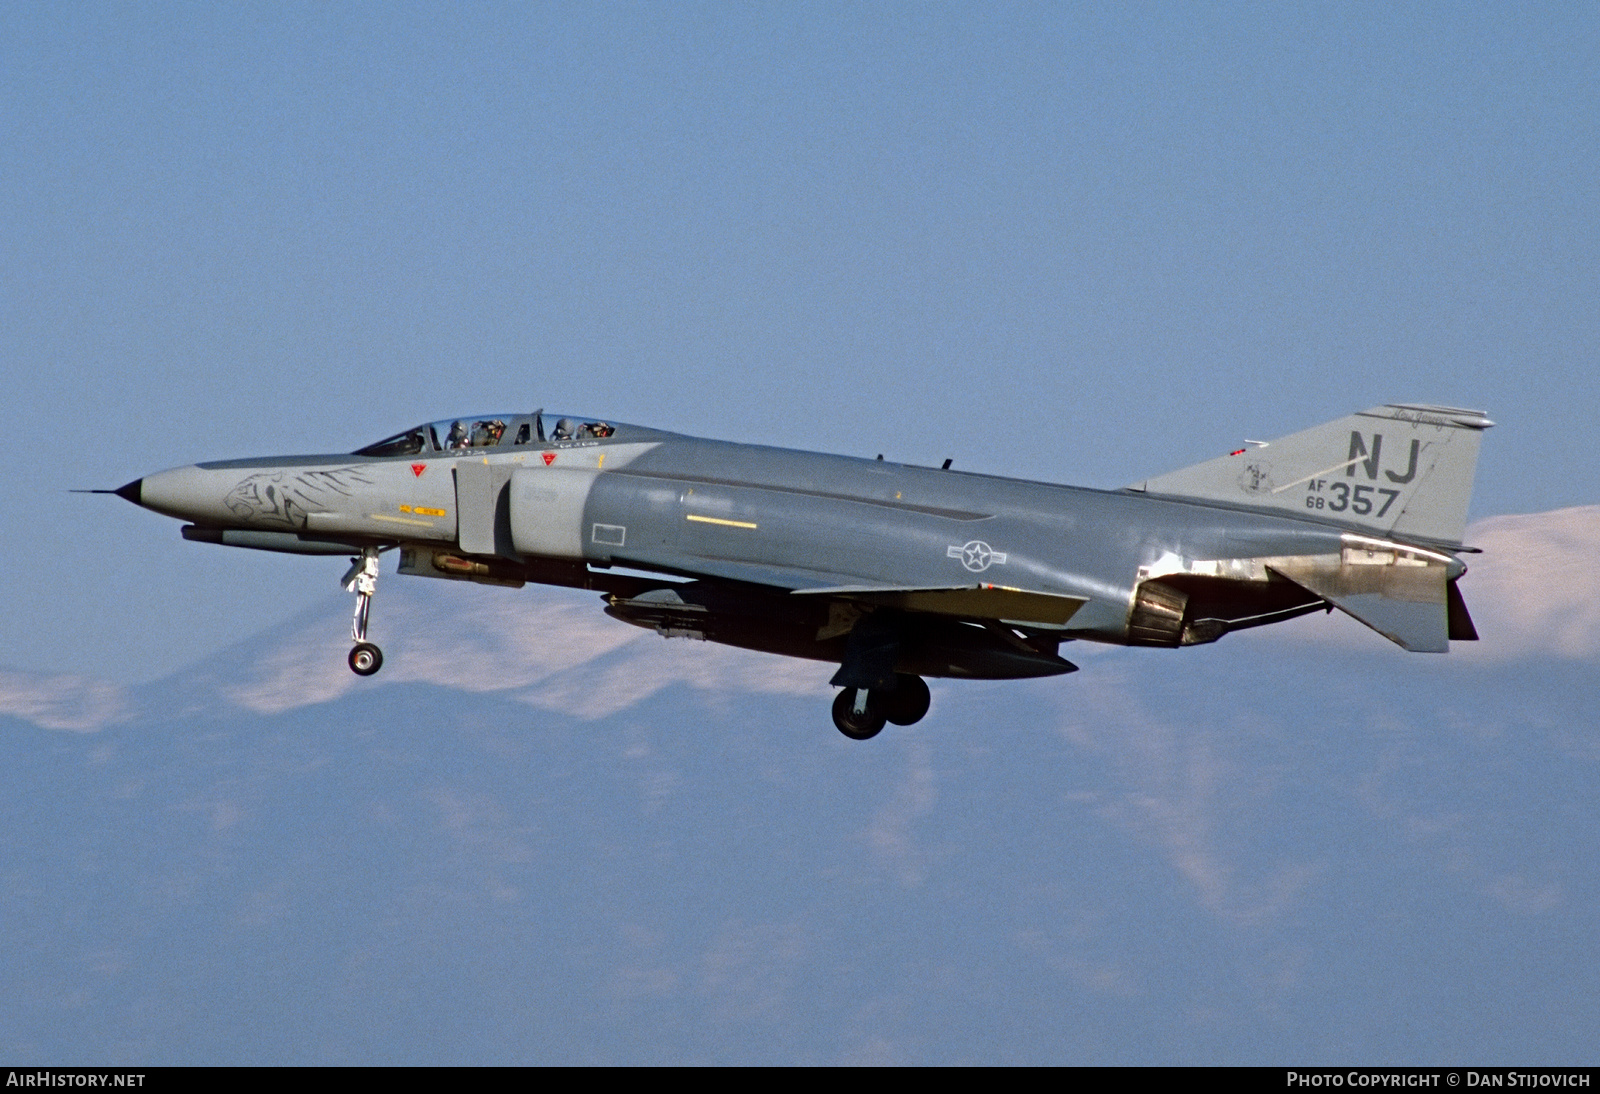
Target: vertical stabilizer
x=1400 y=470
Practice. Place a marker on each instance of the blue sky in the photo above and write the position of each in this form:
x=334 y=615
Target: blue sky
x=1077 y=244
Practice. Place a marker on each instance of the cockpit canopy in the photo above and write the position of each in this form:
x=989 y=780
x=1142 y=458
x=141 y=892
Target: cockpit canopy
x=489 y=431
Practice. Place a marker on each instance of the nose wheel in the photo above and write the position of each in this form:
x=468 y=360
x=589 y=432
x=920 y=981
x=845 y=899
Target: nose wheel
x=362 y=579
x=365 y=659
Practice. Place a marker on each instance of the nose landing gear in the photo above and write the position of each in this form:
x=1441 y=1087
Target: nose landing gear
x=860 y=713
x=365 y=659
x=362 y=578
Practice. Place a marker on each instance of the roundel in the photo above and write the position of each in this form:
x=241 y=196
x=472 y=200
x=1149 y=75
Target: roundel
x=976 y=555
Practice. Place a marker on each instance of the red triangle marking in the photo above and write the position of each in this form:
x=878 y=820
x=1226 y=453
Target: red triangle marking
x=549 y=458
x=418 y=468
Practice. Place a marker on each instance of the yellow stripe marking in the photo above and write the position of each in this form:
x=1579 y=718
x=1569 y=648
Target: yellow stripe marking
x=422 y=510
x=717 y=520
x=399 y=520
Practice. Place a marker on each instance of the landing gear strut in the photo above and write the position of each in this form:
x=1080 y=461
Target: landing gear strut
x=362 y=579
x=860 y=713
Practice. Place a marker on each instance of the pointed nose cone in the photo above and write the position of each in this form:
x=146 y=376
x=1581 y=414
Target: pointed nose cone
x=188 y=493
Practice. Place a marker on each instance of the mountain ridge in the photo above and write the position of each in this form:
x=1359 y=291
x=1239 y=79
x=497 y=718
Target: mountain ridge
x=1530 y=593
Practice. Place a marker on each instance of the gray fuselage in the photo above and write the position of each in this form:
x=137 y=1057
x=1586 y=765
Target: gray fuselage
x=774 y=541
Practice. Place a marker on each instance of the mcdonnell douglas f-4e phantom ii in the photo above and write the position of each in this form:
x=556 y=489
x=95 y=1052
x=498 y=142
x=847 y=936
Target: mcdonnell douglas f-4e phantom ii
x=893 y=572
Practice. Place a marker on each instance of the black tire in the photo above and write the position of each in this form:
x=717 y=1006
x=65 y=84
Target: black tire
x=908 y=702
x=365 y=659
x=862 y=727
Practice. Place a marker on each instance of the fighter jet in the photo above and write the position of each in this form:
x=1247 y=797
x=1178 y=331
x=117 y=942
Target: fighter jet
x=892 y=571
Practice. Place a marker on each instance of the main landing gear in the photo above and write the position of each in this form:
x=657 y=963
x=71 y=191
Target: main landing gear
x=362 y=579
x=860 y=713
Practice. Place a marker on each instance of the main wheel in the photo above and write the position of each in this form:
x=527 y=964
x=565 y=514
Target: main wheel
x=858 y=727
x=365 y=659
x=908 y=702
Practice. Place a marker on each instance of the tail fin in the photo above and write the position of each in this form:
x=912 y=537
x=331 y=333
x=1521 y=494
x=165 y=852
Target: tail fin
x=1399 y=470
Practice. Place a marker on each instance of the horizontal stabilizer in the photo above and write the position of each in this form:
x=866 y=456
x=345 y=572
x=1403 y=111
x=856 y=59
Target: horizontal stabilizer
x=996 y=602
x=1404 y=595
